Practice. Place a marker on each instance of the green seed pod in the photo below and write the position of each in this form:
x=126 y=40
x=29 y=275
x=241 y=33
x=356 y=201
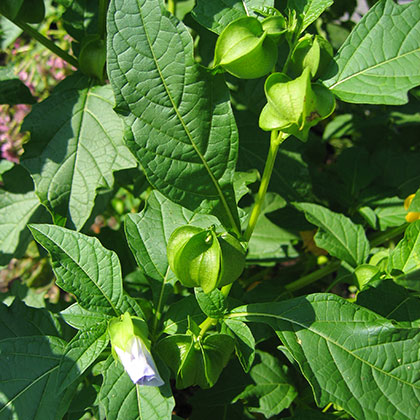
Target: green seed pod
x=294 y=106
x=311 y=51
x=92 y=56
x=201 y=258
x=244 y=49
x=32 y=11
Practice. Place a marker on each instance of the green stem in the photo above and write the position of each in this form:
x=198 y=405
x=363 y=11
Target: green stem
x=46 y=42
x=102 y=9
x=386 y=236
x=276 y=139
x=312 y=277
x=172 y=6
x=205 y=325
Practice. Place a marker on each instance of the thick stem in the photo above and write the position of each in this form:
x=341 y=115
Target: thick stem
x=276 y=139
x=46 y=43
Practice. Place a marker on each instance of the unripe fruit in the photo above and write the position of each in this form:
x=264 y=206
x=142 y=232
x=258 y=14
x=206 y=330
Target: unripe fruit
x=244 y=49
x=202 y=258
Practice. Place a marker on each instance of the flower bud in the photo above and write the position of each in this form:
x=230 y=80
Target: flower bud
x=130 y=345
x=92 y=56
x=244 y=50
x=294 y=106
x=275 y=26
x=311 y=51
x=202 y=258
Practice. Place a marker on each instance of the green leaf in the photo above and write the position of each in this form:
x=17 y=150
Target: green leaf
x=83 y=267
x=148 y=233
x=351 y=356
x=81 y=318
x=392 y=302
x=18 y=207
x=19 y=320
x=213 y=304
x=217 y=14
x=309 y=10
x=122 y=400
x=12 y=90
x=10 y=8
x=378 y=63
x=179 y=123
x=390 y=212
x=272 y=391
x=268 y=240
x=76 y=144
x=337 y=234
x=81 y=352
x=244 y=342
x=28 y=368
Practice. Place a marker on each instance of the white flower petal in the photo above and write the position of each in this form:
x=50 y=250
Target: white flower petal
x=139 y=363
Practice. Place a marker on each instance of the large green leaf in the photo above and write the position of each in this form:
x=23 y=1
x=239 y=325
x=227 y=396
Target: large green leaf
x=28 y=367
x=12 y=90
x=350 y=355
x=272 y=391
x=19 y=320
x=309 y=10
x=81 y=318
x=178 y=118
x=337 y=234
x=378 y=63
x=148 y=233
x=76 y=144
x=217 y=14
x=122 y=400
x=83 y=267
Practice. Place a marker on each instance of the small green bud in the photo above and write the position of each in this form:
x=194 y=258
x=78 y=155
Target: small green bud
x=244 y=49
x=294 y=106
x=92 y=56
x=275 y=26
x=202 y=258
x=311 y=51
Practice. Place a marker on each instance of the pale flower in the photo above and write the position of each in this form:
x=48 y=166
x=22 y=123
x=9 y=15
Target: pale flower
x=139 y=364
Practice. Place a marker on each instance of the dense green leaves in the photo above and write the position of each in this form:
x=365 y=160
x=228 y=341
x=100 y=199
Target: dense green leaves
x=122 y=400
x=350 y=355
x=84 y=268
x=76 y=144
x=272 y=391
x=19 y=206
x=337 y=234
x=81 y=352
x=178 y=118
x=378 y=64
x=217 y=14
